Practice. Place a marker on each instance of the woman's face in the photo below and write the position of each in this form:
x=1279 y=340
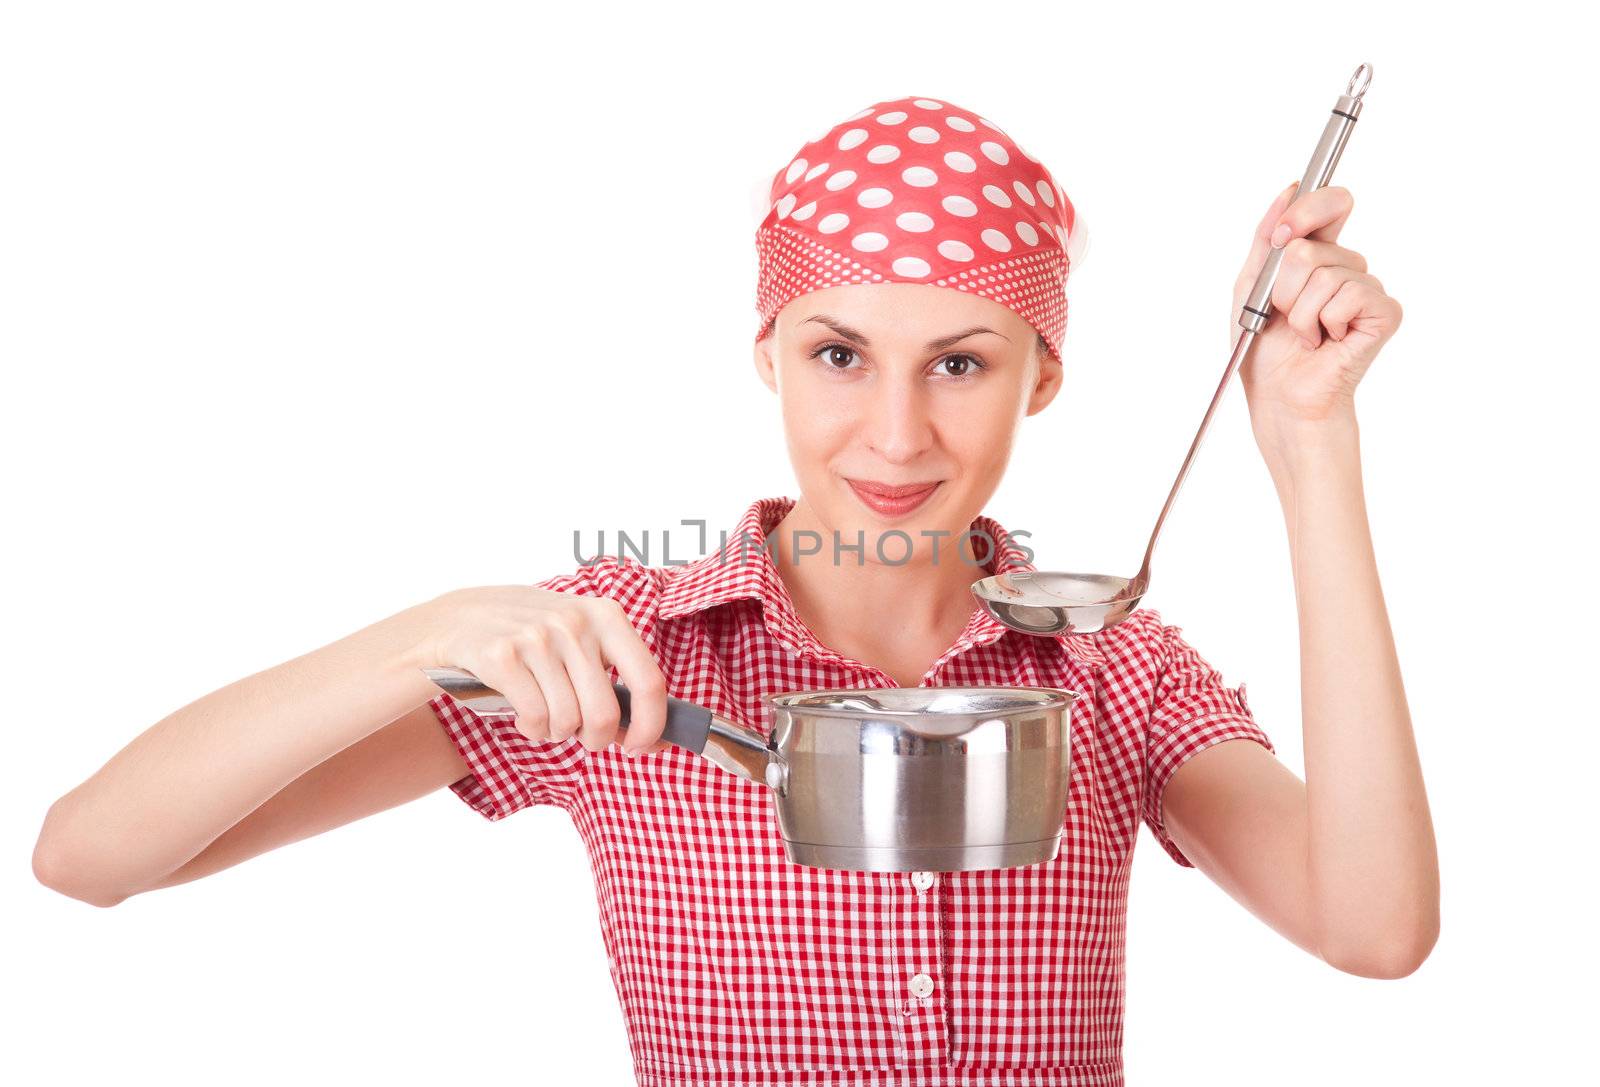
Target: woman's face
x=889 y=384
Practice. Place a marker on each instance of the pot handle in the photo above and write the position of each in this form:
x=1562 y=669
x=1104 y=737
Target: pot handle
x=687 y=726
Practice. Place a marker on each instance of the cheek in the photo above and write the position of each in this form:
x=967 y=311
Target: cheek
x=983 y=442
x=980 y=426
x=814 y=440
x=989 y=402
x=814 y=416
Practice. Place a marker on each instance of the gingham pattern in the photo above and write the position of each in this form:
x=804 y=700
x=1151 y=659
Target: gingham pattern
x=735 y=966
x=917 y=190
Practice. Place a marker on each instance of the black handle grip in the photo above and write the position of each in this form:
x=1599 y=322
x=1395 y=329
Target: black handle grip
x=688 y=725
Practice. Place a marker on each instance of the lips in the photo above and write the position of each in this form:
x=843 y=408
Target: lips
x=905 y=490
x=893 y=501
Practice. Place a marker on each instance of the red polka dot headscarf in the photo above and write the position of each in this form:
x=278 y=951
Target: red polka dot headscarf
x=916 y=190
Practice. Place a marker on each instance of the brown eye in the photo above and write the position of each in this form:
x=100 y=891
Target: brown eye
x=960 y=366
x=835 y=356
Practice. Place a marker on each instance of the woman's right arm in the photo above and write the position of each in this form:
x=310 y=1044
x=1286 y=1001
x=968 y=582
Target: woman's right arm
x=303 y=747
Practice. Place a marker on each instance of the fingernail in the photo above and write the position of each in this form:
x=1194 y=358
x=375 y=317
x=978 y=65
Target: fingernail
x=1280 y=236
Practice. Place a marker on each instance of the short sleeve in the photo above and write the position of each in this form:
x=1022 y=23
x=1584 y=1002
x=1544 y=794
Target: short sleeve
x=1192 y=710
x=507 y=770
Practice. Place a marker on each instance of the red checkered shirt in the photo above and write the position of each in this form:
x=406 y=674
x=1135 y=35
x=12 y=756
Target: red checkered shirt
x=735 y=966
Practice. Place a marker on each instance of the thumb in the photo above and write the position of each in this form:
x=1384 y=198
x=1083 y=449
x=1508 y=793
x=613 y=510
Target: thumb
x=1279 y=206
x=1261 y=244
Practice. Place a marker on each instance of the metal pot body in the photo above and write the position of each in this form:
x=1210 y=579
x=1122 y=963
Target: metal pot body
x=884 y=779
x=935 y=779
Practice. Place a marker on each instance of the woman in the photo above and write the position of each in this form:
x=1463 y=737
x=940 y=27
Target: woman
x=912 y=306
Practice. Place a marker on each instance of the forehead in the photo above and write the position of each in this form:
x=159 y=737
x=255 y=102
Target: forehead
x=889 y=307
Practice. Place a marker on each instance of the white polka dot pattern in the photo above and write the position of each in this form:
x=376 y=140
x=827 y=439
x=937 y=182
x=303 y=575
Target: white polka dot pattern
x=910 y=190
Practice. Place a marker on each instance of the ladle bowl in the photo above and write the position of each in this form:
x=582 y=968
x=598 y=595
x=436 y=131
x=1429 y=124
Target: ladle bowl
x=1045 y=602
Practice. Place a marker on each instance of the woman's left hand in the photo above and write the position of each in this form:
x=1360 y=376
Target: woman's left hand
x=1330 y=319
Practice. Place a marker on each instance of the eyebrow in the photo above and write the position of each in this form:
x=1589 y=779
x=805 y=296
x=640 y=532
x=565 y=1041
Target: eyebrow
x=853 y=335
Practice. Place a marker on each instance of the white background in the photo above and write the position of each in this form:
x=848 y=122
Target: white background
x=312 y=311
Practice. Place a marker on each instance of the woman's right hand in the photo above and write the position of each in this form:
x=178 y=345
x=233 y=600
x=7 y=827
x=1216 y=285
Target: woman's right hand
x=548 y=653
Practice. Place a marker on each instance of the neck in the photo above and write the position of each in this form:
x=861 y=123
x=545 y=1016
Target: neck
x=857 y=600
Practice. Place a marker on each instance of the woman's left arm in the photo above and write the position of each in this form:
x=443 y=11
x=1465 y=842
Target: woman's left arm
x=1343 y=863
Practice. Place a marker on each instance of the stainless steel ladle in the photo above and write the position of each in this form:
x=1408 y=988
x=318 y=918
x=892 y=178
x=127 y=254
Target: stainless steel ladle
x=1046 y=603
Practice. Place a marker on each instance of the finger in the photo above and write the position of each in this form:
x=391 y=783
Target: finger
x=596 y=700
x=1312 y=251
x=1306 y=316
x=1320 y=215
x=1302 y=257
x=1359 y=295
x=511 y=677
x=545 y=661
x=622 y=649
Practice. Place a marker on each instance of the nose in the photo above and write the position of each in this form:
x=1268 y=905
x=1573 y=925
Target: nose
x=900 y=419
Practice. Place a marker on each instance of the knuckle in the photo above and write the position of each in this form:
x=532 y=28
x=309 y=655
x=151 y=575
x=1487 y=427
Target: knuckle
x=606 y=719
x=568 y=622
x=529 y=709
x=503 y=652
x=652 y=685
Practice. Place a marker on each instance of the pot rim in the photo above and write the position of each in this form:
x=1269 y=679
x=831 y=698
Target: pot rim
x=1056 y=698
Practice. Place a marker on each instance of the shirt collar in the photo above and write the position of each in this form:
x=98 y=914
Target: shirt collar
x=743 y=569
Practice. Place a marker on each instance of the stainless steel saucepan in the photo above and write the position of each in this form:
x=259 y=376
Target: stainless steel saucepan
x=894 y=779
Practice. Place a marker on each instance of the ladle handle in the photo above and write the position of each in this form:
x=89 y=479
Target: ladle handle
x=1257 y=307
x=687 y=726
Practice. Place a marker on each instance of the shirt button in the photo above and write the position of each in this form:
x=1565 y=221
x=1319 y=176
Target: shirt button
x=922 y=880
x=921 y=985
